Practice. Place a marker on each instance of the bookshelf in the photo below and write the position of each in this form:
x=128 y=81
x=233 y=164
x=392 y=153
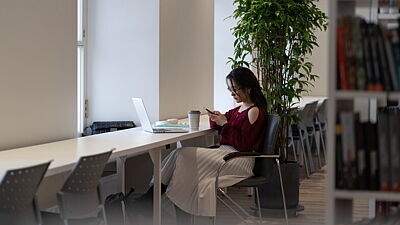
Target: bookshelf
x=340 y=201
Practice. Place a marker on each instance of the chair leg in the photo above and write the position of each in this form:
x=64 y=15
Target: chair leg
x=310 y=158
x=322 y=142
x=259 y=205
x=235 y=203
x=214 y=220
x=283 y=191
x=294 y=150
x=232 y=209
x=304 y=155
x=291 y=145
x=103 y=210
x=250 y=192
x=318 y=148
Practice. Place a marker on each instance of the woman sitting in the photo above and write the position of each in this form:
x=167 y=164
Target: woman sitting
x=188 y=173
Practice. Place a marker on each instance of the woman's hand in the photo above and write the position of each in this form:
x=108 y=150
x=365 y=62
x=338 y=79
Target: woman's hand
x=218 y=118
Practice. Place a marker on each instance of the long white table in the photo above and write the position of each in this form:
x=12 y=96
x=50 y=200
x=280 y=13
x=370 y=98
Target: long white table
x=128 y=142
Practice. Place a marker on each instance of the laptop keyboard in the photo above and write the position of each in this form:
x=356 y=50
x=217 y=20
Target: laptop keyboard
x=160 y=130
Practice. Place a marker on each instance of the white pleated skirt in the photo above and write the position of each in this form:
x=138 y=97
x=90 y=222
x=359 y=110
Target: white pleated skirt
x=190 y=175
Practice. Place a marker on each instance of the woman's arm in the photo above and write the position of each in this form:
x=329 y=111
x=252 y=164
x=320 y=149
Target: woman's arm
x=248 y=137
x=215 y=120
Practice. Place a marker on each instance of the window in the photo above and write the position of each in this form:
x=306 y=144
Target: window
x=81 y=66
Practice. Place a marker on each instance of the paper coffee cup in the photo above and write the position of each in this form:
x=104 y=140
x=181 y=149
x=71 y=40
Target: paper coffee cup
x=194 y=119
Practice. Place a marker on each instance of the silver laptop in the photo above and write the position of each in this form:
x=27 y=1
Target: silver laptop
x=145 y=121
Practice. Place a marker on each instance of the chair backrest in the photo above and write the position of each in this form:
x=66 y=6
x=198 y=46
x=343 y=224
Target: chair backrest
x=263 y=166
x=306 y=115
x=321 y=111
x=17 y=194
x=79 y=196
x=85 y=175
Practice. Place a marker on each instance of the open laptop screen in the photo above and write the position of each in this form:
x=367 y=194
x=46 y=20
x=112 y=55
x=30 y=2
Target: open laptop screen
x=142 y=113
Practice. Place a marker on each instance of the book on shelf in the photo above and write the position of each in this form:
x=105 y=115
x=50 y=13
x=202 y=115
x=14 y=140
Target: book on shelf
x=368 y=56
x=367 y=63
x=361 y=154
x=340 y=183
x=368 y=153
x=372 y=159
x=384 y=151
x=395 y=45
x=394 y=130
x=343 y=79
x=376 y=84
x=348 y=149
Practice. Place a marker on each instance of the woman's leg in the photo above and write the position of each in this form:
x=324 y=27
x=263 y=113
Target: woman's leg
x=167 y=170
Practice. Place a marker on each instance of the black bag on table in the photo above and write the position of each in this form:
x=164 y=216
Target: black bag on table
x=109 y=126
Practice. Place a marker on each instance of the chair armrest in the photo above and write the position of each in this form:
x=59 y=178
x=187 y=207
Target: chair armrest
x=233 y=155
x=247 y=155
x=214 y=146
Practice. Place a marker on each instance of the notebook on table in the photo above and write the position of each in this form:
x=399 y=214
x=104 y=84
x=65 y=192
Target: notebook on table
x=145 y=120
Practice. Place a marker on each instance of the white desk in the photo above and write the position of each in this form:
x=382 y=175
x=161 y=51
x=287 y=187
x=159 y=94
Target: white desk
x=128 y=142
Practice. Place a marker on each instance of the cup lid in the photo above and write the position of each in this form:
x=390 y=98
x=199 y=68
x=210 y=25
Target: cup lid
x=193 y=112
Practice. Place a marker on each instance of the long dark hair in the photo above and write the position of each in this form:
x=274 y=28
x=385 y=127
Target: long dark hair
x=245 y=78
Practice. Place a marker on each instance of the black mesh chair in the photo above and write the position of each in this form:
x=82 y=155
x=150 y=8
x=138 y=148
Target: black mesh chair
x=321 y=124
x=309 y=123
x=79 y=197
x=17 y=195
x=300 y=132
x=263 y=168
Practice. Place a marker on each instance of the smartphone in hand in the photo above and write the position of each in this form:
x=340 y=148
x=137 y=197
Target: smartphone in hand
x=211 y=112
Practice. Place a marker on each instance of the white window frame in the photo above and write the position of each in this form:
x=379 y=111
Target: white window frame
x=82 y=12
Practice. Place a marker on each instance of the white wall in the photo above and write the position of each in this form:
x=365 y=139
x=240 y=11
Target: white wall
x=37 y=72
x=162 y=53
x=320 y=58
x=123 y=37
x=223 y=48
x=186 y=56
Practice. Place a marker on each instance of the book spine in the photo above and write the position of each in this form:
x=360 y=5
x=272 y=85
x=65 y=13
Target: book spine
x=377 y=77
x=358 y=55
x=340 y=182
x=384 y=152
x=391 y=61
x=341 y=55
x=348 y=147
x=367 y=56
x=362 y=179
x=383 y=62
x=372 y=156
x=393 y=118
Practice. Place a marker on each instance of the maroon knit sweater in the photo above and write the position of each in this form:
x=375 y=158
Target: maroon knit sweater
x=239 y=133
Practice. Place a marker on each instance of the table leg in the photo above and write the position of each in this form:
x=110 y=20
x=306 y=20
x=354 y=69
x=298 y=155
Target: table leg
x=155 y=155
x=121 y=172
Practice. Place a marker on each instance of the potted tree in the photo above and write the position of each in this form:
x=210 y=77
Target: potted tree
x=274 y=38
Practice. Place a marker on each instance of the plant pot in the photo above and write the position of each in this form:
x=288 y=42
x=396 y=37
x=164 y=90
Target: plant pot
x=271 y=196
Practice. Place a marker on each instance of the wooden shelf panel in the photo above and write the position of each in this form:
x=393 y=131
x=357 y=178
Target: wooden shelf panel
x=360 y=94
x=379 y=195
x=387 y=16
x=366 y=94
